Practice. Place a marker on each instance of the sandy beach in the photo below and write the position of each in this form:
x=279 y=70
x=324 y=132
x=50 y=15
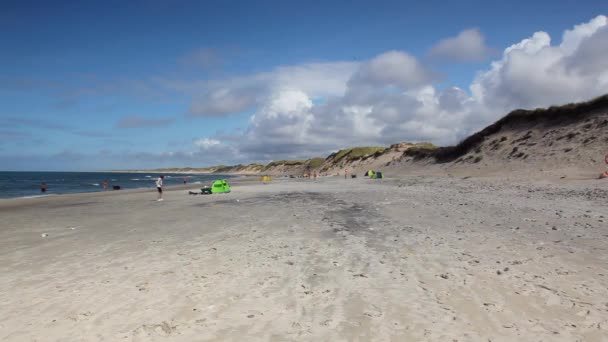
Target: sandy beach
x=403 y=259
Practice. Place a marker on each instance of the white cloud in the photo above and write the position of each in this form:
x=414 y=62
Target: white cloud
x=590 y=56
x=534 y=73
x=223 y=101
x=206 y=143
x=468 y=46
x=284 y=121
x=392 y=98
x=239 y=94
x=393 y=68
x=573 y=38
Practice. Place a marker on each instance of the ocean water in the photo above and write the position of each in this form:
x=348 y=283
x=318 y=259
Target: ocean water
x=27 y=184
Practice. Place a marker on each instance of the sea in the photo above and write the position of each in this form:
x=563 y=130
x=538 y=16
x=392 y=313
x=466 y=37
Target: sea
x=27 y=184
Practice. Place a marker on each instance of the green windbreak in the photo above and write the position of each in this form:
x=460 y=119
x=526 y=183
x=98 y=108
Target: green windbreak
x=220 y=186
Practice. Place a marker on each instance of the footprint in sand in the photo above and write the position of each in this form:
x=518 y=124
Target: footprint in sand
x=162 y=329
x=326 y=322
x=142 y=287
x=374 y=311
x=82 y=316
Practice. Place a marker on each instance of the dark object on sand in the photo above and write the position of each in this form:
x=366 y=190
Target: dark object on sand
x=115 y=187
x=353 y=176
x=204 y=191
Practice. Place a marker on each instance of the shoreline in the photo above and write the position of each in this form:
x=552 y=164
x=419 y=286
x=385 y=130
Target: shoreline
x=149 y=187
x=40 y=199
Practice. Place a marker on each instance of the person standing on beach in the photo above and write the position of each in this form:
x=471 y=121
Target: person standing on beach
x=185 y=180
x=43 y=187
x=159 y=188
x=345 y=173
x=105 y=184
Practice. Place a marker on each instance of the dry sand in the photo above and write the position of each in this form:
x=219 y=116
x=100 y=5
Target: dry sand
x=408 y=259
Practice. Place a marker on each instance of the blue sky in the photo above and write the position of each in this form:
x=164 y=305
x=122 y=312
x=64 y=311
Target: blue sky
x=103 y=85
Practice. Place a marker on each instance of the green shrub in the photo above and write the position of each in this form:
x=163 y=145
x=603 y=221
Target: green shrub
x=315 y=162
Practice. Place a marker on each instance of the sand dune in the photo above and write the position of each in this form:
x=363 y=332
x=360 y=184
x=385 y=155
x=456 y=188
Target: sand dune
x=408 y=259
x=570 y=137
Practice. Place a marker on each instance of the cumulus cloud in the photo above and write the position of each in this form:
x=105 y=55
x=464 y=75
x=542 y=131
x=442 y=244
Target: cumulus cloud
x=393 y=68
x=468 y=46
x=387 y=99
x=590 y=56
x=393 y=97
x=239 y=94
x=136 y=121
x=534 y=73
x=574 y=37
x=283 y=121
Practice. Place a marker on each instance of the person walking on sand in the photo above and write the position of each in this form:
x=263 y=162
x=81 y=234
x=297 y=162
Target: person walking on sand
x=159 y=188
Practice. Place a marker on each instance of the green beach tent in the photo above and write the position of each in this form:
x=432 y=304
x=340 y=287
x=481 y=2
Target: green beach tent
x=374 y=174
x=377 y=175
x=220 y=186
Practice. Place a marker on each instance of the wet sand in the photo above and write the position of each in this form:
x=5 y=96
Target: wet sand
x=408 y=259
